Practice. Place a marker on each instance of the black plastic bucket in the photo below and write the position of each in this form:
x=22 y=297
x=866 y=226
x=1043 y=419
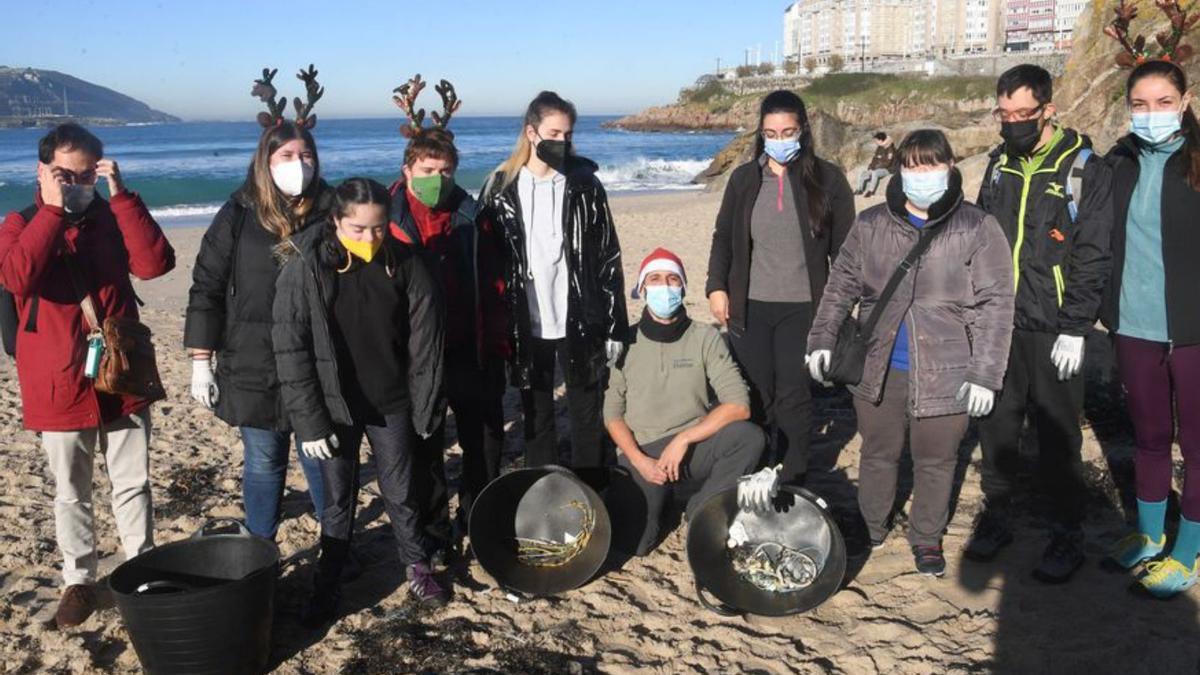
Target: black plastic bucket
x=201 y=605
x=799 y=519
x=535 y=503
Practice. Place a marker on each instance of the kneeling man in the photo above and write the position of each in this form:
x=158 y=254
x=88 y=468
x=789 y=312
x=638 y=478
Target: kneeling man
x=658 y=409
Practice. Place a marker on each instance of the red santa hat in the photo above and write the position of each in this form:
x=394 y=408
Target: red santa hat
x=660 y=260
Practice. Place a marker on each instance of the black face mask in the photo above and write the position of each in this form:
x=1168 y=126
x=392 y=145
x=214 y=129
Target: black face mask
x=554 y=153
x=1021 y=138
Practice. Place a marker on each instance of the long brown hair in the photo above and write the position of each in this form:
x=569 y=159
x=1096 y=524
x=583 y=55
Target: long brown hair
x=276 y=211
x=1190 y=127
x=544 y=104
x=819 y=208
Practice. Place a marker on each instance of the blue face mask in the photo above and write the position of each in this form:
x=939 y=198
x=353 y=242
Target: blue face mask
x=1155 y=127
x=782 y=151
x=924 y=188
x=664 y=301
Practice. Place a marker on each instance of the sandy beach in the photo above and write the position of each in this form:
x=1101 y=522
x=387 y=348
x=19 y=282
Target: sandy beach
x=641 y=618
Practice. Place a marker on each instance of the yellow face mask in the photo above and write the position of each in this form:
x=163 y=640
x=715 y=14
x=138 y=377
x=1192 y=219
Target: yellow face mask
x=364 y=250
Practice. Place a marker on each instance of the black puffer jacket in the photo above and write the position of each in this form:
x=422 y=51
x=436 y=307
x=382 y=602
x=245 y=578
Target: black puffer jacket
x=305 y=354
x=229 y=309
x=729 y=257
x=1061 y=265
x=596 y=295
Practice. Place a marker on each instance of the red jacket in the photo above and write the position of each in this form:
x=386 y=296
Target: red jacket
x=467 y=252
x=113 y=241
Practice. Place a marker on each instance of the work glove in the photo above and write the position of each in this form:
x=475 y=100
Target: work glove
x=204 y=385
x=613 y=350
x=1067 y=356
x=756 y=491
x=320 y=449
x=818 y=364
x=979 y=399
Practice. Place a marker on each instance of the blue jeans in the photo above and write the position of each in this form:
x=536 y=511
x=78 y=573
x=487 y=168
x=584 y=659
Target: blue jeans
x=266 y=460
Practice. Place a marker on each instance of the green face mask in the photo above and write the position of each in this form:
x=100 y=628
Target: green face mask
x=431 y=189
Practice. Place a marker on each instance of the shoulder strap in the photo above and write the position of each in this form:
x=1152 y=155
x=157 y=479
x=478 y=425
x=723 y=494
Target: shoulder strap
x=27 y=215
x=924 y=239
x=86 y=304
x=1074 y=182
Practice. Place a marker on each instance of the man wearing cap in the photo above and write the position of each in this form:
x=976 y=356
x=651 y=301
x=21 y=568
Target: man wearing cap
x=657 y=407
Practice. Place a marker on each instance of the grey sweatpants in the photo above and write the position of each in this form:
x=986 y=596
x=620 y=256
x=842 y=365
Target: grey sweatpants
x=709 y=467
x=934 y=443
x=125 y=444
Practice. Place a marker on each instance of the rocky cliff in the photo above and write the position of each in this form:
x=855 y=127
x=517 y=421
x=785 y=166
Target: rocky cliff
x=30 y=97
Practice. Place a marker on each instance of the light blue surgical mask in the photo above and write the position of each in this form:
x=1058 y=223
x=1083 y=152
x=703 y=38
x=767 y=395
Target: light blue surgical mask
x=782 y=151
x=664 y=300
x=1155 y=127
x=924 y=188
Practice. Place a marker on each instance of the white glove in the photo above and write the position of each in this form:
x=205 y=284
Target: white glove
x=818 y=364
x=756 y=491
x=613 y=349
x=1067 y=356
x=979 y=399
x=322 y=449
x=737 y=535
x=204 y=385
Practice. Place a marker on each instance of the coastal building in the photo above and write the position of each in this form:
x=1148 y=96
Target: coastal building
x=861 y=32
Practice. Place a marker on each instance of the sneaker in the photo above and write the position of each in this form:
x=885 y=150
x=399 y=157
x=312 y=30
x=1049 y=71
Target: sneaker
x=1168 y=577
x=76 y=605
x=423 y=586
x=1134 y=549
x=1061 y=558
x=877 y=544
x=930 y=560
x=990 y=534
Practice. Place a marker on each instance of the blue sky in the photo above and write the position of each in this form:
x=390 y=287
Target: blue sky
x=198 y=59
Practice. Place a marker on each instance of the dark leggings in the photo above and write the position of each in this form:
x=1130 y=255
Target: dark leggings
x=771 y=353
x=583 y=407
x=1162 y=388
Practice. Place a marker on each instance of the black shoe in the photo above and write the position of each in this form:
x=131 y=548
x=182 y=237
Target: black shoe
x=870 y=194
x=930 y=560
x=322 y=607
x=352 y=568
x=1062 y=557
x=990 y=534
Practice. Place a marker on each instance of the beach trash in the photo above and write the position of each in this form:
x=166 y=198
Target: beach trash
x=789 y=559
x=540 y=531
x=200 y=605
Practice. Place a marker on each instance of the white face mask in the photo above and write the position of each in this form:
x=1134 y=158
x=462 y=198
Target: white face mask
x=293 y=177
x=77 y=198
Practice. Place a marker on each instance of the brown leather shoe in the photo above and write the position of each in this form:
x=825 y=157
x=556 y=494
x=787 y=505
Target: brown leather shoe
x=77 y=604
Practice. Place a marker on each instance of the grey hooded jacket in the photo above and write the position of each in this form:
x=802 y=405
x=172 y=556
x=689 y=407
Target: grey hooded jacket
x=958 y=299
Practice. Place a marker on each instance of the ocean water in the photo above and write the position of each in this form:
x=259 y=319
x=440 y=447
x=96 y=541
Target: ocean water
x=187 y=170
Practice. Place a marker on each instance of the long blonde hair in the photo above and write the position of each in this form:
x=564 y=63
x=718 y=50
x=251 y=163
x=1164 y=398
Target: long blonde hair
x=275 y=211
x=544 y=104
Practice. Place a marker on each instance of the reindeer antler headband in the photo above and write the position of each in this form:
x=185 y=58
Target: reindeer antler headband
x=1136 y=52
x=265 y=91
x=405 y=98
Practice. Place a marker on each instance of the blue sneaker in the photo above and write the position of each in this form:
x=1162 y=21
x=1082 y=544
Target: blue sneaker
x=1168 y=577
x=1136 y=548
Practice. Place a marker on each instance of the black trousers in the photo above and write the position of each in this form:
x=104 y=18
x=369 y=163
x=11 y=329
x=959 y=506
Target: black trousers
x=709 y=467
x=476 y=398
x=771 y=354
x=392 y=446
x=1031 y=389
x=583 y=407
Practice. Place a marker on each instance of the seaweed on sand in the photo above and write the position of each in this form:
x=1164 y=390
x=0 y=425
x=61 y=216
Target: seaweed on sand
x=189 y=488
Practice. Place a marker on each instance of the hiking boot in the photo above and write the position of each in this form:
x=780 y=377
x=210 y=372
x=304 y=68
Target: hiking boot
x=990 y=534
x=424 y=587
x=76 y=605
x=1134 y=549
x=1167 y=578
x=1062 y=557
x=930 y=560
x=322 y=607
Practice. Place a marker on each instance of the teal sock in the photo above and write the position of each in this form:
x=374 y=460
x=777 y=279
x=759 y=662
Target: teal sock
x=1187 y=542
x=1152 y=517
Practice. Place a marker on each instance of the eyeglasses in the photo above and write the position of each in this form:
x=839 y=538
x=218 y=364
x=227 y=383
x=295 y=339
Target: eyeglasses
x=1023 y=115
